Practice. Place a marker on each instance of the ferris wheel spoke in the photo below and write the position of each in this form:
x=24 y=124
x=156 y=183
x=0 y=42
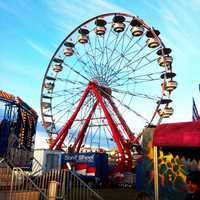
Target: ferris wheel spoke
x=121 y=56
x=107 y=39
x=93 y=69
x=107 y=43
x=147 y=80
x=138 y=79
x=103 y=55
x=137 y=67
x=126 y=106
x=132 y=70
x=91 y=57
x=148 y=75
x=69 y=104
x=116 y=64
x=67 y=93
x=130 y=53
x=73 y=82
x=117 y=42
x=128 y=49
x=86 y=66
x=115 y=61
x=95 y=52
x=135 y=112
x=130 y=62
x=75 y=71
x=138 y=61
x=117 y=122
x=101 y=46
x=60 y=111
x=113 y=50
x=136 y=94
x=66 y=111
x=63 y=106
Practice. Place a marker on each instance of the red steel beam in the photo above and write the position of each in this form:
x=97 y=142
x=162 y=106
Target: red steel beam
x=64 y=131
x=114 y=130
x=127 y=130
x=81 y=134
x=122 y=121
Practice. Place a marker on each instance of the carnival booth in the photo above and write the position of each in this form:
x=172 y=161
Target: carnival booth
x=181 y=139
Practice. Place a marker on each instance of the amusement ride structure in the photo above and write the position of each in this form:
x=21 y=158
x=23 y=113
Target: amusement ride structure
x=17 y=130
x=109 y=79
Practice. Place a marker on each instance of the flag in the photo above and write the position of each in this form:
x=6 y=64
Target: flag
x=195 y=114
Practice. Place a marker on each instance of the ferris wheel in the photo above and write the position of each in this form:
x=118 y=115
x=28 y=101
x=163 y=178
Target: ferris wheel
x=109 y=78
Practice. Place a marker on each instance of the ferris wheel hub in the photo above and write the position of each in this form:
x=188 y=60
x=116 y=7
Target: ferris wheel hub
x=103 y=90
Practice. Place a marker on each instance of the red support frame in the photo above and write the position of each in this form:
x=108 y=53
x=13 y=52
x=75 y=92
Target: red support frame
x=131 y=137
x=115 y=132
x=81 y=135
x=122 y=145
x=64 y=131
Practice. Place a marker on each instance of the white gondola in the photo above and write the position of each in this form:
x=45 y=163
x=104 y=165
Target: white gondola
x=100 y=26
x=49 y=86
x=100 y=30
x=153 y=42
x=137 y=31
x=166 y=112
x=83 y=39
x=68 y=51
x=118 y=27
x=169 y=85
x=165 y=60
x=46 y=105
x=57 y=68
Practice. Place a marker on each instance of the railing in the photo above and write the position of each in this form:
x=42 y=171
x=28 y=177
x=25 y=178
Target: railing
x=5 y=175
x=15 y=184
x=30 y=183
x=52 y=185
x=67 y=185
x=22 y=187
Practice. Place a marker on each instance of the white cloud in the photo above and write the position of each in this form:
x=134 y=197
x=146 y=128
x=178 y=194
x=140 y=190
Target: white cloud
x=78 y=11
x=180 y=24
x=38 y=48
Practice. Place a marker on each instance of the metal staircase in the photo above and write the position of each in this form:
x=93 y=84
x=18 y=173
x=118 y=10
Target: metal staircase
x=34 y=183
x=55 y=184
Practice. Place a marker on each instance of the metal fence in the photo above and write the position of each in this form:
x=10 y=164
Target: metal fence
x=52 y=185
x=23 y=187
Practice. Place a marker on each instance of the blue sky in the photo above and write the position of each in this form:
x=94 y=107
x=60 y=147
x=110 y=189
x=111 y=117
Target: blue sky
x=32 y=30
